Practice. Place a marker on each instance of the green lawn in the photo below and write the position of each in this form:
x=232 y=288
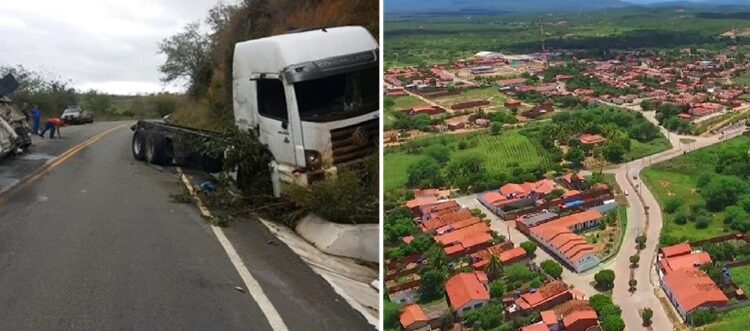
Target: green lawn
x=505 y=150
x=394 y=173
x=500 y=153
x=394 y=104
x=639 y=149
x=741 y=276
x=496 y=99
x=736 y=320
x=678 y=178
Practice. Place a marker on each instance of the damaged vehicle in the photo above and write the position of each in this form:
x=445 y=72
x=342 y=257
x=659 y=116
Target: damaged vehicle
x=311 y=97
x=15 y=132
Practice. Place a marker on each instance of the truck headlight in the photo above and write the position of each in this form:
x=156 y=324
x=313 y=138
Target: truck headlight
x=312 y=159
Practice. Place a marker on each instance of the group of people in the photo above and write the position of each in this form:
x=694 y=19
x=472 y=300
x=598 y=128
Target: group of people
x=53 y=124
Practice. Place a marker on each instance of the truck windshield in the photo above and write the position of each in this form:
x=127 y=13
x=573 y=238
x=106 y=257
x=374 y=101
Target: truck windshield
x=338 y=97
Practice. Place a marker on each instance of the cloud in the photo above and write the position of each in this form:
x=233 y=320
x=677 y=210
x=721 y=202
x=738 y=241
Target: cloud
x=108 y=45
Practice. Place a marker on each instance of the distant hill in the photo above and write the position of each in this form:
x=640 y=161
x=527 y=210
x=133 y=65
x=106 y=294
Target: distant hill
x=503 y=5
x=692 y=2
x=396 y=6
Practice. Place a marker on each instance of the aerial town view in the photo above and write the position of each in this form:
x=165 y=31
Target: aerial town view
x=566 y=165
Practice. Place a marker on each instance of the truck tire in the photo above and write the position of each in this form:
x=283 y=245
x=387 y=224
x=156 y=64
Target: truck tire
x=138 y=146
x=156 y=149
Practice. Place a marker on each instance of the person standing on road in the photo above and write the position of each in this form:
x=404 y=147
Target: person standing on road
x=53 y=124
x=36 y=117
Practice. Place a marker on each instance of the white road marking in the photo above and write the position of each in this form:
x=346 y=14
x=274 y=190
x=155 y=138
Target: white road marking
x=253 y=287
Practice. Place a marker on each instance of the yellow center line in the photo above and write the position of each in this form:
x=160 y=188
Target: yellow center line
x=45 y=169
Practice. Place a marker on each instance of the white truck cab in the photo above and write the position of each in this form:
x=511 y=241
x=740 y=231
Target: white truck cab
x=312 y=97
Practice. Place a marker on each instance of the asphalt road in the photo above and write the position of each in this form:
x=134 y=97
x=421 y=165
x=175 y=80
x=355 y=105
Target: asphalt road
x=644 y=216
x=98 y=244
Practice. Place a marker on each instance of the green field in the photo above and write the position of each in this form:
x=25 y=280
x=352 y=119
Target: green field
x=393 y=104
x=394 y=173
x=736 y=320
x=499 y=152
x=441 y=37
x=639 y=149
x=678 y=178
x=741 y=276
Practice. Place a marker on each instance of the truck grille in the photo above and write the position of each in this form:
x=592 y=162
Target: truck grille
x=354 y=142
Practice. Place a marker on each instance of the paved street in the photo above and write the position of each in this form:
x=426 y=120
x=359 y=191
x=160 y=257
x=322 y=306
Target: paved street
x=648 y=283
x=640 y=200
x=98 y=243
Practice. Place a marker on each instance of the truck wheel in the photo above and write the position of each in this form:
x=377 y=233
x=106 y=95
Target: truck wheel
x=156 y=149
x=139 y=152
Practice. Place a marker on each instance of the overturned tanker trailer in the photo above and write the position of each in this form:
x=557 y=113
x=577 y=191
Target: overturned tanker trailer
x=15 y=133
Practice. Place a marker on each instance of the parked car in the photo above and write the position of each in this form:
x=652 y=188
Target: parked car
x=76 y=115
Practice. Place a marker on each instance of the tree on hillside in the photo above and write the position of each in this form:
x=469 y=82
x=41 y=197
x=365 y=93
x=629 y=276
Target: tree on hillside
x=467 y=170
x=439 y=152
x=575 y=156
x=188 y=57
x=529 y=247
x=647 y=314
x=494 y=267
x=612 y=323
x=605 y=279
x=432 y=285
x=641 y=241
x=96 y=102
x=632 y=283
x=497 y=289
x=723 y=191
x=634 y=259
x=496 y=128
x=552 y=268
x=391 y=313
x=424 y=174
x=51 y=93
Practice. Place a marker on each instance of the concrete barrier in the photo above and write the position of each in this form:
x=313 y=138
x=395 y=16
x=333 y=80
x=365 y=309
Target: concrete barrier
x=354 y=241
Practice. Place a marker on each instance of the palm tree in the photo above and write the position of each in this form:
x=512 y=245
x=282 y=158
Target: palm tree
x=494 y=267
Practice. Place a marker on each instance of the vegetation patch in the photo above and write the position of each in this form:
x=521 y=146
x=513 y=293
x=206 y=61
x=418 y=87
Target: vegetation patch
x=704 y=193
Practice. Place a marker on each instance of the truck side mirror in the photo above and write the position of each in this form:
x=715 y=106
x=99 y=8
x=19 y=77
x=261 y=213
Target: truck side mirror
x=284 y=125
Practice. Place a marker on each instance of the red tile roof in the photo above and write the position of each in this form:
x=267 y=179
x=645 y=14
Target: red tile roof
x=572 y=220
x=590 y=139
x=692 y=288
x=535 y=327
x=446 y=219
x=459 y=225
x=580 y=320
x=412 y=314
x=545 y=293
x=464 y=288
x=675 y=250
x=690 y=261
x=512 y=255
x=419 y=202
x=549 y=317
x=459 y=235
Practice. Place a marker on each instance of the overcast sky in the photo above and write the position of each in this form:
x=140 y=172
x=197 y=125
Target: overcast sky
x=108 y=45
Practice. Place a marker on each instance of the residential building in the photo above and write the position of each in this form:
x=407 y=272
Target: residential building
x=686 y=286
x=691 y=289
x=560 y=237
x=467 y=291
x=545 y=297
x=413 y=318
x=590 y=140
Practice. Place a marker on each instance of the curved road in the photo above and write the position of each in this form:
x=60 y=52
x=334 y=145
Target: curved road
x=98 y=244
x=644 y=216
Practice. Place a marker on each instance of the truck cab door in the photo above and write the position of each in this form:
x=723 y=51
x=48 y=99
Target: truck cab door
x=275 y=129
